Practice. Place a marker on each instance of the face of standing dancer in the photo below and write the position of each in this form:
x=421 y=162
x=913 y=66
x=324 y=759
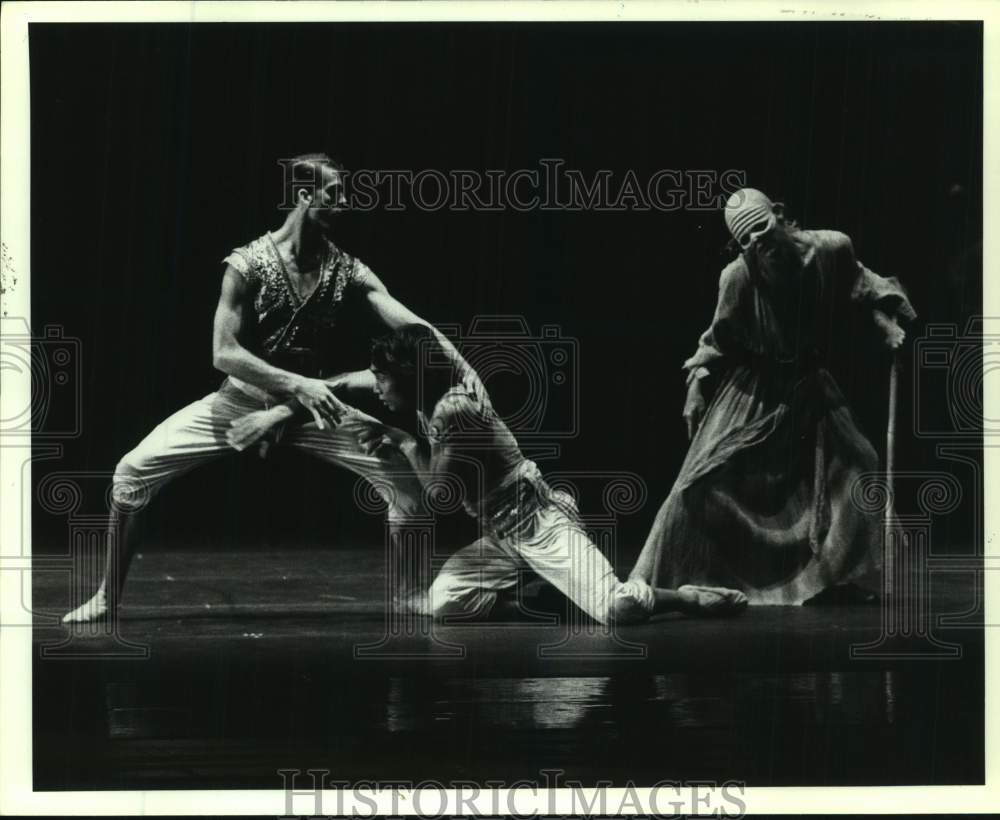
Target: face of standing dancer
x=321 y=204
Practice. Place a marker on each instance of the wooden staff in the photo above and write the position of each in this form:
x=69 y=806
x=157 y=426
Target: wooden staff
x=890 y=445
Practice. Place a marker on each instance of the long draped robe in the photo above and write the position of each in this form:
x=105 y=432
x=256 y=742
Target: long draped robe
x=763 y=499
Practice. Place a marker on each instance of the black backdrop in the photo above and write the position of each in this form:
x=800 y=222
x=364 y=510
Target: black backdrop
x=154 y=151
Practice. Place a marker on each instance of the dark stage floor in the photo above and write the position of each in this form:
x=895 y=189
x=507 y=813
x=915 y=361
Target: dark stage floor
x=260 y=662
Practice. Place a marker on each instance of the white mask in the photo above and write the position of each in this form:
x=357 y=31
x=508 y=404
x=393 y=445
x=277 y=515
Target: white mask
x=749 y=215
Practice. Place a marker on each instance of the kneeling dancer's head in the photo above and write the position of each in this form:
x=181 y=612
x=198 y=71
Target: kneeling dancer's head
x=411 y=368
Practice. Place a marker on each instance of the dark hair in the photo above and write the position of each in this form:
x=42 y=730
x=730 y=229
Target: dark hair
x=303 y=171
x=414 y=352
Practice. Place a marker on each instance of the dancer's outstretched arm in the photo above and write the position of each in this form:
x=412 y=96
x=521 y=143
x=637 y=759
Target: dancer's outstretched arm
x=393 y=314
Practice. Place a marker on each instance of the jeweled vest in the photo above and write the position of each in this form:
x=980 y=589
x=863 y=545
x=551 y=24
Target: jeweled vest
x=287 y=331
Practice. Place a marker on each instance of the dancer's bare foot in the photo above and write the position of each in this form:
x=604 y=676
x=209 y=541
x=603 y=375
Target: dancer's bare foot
x=711 y=602
x=95 y=609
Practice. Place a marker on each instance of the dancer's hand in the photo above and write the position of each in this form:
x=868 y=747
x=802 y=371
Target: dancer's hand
x=317 y=397
x=894 y=334
x=250 y=428
x=694 y=408
x=374 y=436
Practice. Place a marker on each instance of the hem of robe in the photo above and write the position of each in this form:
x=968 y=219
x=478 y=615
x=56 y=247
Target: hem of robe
x=812 y=400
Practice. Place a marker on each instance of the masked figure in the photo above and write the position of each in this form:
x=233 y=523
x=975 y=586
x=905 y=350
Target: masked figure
x=763 y=499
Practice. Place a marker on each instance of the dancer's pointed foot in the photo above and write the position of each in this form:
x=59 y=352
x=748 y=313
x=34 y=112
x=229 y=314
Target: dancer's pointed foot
x=95 y=609
x=712 y=602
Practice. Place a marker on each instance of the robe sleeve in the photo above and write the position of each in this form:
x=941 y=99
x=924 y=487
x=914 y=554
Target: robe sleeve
x=724 y=334
x=884 y=293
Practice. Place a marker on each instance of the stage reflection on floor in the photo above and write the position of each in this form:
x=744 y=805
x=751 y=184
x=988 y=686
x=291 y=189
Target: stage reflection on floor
x=231 y=725
x=268 y=678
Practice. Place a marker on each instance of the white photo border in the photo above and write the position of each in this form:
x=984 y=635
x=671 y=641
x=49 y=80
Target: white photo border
x=16 y=795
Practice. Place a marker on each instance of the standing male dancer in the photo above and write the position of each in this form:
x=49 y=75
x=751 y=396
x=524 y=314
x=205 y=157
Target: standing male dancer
x=526 y=524
x=280 y=303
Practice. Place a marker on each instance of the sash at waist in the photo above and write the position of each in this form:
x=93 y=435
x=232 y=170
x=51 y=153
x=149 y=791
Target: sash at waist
x=509 y=510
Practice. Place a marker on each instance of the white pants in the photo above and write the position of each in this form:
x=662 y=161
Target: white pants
x=558 y=550
x=196 y=434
